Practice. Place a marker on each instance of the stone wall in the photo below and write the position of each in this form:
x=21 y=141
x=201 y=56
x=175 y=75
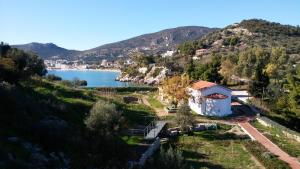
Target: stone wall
x=287 y=132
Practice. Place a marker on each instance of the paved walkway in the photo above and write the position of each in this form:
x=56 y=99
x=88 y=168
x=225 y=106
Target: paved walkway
x=270 y=146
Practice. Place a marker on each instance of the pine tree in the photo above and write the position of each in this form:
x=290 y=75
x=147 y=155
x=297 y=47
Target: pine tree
x=259 y=83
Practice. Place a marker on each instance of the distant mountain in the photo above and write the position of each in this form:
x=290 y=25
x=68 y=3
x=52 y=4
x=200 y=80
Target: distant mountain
x=153 y=43
x=48 y=50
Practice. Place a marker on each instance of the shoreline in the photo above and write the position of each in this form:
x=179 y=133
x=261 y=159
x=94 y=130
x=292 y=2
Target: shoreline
x=102 y=70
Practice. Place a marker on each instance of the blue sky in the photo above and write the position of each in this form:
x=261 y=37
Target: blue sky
x=85 y=24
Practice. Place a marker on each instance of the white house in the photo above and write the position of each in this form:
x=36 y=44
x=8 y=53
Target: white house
x=168 y=53
x=210 y=99
x=104 y=63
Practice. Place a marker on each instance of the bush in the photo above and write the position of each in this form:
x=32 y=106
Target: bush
x=104 y=119
x=74 y=83
x=184 y=118
x=167 y=159
x=66 y=83
x=16 y=65
x=127 y=89
x=53 y=78
x=157 y=72
x=78 y=82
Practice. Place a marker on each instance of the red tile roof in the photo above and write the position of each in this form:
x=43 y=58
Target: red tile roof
x=216 y=96
x=203 y=85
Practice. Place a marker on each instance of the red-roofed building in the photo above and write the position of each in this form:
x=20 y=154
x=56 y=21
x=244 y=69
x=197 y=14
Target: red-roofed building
x=211 y=99
x=200 y=85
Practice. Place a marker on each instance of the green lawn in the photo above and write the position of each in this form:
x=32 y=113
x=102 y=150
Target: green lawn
x=138 y=114
x=215 y=149
x=154 y=102
x=292 y=147
x=132 y=140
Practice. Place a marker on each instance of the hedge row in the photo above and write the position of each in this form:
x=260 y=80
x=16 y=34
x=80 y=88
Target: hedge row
x=268 y=160
x=126 y=89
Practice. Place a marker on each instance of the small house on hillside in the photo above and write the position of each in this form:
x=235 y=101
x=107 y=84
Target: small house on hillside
x=210 y=99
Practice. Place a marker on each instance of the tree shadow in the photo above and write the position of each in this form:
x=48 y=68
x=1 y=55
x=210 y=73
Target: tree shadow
x=204 y=164
x=215 y=135
x=193 y=158
x=194 y=155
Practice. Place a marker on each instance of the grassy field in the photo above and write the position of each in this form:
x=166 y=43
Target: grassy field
x=154 y=102
x=215 y=149
x=291 y=146
x=132 y=140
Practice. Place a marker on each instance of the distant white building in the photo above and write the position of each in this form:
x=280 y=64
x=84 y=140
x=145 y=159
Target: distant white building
x=104 y=63
x=241 y=95
x=168 y=53
x=201 y=52
x=128 y=62
x=143 y=70
x=210 y=99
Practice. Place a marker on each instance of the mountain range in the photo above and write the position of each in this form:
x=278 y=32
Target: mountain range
x=153 y=43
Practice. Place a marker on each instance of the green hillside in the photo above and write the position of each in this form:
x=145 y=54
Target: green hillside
x=44 y=123
x=262 y=56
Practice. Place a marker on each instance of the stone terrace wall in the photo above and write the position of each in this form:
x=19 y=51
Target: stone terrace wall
x=287 y=132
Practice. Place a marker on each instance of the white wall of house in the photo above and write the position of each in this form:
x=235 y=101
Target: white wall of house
x=207 y=106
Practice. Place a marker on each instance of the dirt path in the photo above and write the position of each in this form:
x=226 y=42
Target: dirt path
x=159 y=112
x=270 y=145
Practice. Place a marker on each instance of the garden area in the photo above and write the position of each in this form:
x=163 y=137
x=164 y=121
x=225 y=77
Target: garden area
x=216 y=149
x=291 y=146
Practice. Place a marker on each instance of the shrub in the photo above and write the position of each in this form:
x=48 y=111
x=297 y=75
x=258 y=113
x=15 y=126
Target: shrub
x=104 y=119
x=78 y=82
x=66 y=83
x=157 y=72
x=167 y=159
x=16 y=65
x=184 y=117
x=53 y=78
x=127 y=89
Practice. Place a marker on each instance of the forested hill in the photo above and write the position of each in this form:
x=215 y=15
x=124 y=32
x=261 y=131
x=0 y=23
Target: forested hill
x=248 y=33
x=48 y=50
x=264 y=54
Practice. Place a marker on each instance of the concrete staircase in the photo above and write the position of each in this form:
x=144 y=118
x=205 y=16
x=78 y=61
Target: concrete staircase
x=153 y=130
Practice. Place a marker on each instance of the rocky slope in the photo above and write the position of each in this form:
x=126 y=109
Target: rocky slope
x=233 y=39
x=249 y=33
x=152 y=75
x=152 y=43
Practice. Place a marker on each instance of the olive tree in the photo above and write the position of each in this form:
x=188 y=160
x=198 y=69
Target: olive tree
x=184 y=118
x=104 y=118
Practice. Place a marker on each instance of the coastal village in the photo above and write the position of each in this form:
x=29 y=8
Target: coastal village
x=211 y=105
x=61 y=64
x=225 y=96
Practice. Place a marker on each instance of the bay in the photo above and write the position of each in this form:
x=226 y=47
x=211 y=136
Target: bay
x=94 y=78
